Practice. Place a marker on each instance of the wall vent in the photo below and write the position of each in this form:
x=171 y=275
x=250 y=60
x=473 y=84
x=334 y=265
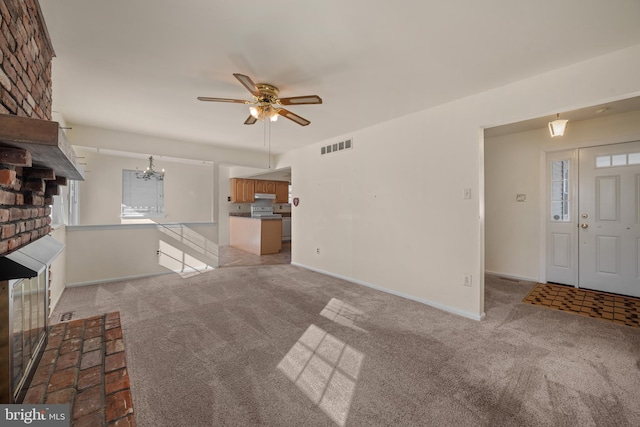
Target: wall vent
x=347 y=144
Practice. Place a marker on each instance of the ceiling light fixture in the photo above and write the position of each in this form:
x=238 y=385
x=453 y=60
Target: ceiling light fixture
x=557 y=127
x=262 y=112
x=149 y=173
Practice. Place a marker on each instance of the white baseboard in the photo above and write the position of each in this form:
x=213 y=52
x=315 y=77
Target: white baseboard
x=511 y=276
x=141 y=276
x=396 y=293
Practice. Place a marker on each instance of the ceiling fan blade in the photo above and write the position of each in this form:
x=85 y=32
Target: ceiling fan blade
x=248 y=83
x=236 y=101
x=293 y=117
x=250 y=120
x=295 y=100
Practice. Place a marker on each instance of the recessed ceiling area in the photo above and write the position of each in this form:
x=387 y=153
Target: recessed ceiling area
x=588 y=113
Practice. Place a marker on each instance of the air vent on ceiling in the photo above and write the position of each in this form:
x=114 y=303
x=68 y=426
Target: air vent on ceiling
x=347 y=144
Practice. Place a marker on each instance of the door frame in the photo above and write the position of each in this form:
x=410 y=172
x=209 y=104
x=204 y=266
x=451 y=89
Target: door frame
x=545 y=200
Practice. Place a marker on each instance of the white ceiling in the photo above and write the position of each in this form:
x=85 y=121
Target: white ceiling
x=138 y=65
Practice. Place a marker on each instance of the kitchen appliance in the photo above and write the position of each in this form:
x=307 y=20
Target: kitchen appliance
x=262 y=207
x=286 y=229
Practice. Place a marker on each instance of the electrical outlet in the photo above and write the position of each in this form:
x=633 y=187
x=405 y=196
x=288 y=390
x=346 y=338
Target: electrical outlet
x=467 y=280
x=318 y=251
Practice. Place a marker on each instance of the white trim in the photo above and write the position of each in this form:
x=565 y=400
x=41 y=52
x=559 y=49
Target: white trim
x=141 y=225
x=543 y=207
x=145 y=156
x=481 y=217
x=512 y=276
x=141 y=276
x=443 y=307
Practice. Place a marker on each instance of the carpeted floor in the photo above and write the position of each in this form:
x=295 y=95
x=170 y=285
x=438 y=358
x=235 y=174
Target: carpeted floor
x=601 y=305
x=282 y=346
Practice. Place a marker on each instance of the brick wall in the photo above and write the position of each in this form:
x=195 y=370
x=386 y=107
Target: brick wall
x=25 y=60
x=25 y=90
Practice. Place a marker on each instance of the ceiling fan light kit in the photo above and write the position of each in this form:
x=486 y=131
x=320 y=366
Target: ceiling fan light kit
x=266 y=104
x=262 y=112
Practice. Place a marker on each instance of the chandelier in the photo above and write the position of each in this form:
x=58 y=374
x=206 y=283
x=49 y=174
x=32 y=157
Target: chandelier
x=149 y=173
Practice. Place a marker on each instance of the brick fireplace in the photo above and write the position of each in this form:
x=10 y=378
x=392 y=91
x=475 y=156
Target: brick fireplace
x=35 y=160
x=26 y=189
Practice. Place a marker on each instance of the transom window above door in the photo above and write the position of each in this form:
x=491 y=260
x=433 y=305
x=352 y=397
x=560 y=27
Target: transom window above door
x=618 y=160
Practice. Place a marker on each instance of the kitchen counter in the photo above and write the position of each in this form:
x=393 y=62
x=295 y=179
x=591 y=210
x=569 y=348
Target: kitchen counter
x=259 y=236
x=248 y=214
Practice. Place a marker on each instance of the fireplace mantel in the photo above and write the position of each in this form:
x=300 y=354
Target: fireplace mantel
x=45 y=141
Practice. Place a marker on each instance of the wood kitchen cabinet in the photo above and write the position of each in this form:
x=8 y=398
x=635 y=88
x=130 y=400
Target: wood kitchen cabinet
x=282 y=192
x=242 y=190
x=267 y=187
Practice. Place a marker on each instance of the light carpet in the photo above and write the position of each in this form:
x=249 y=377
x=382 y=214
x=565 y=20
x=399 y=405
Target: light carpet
x=283 y=346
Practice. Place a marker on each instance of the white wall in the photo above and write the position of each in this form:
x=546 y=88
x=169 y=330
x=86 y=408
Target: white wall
x=117 y=252
x=512 y=165
x=390 y=212
x=199 y=203
x=224 y=205
x=88 y=136
x=188 y=188
x=58 y=268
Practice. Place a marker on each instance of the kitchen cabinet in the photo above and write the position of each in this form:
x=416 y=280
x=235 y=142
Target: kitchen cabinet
x=282 y=192
x=267 y=187
x=255 y=235
x=242 y=190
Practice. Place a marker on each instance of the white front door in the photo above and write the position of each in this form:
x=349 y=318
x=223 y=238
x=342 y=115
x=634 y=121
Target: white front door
x=562 y=251
x=609 y=218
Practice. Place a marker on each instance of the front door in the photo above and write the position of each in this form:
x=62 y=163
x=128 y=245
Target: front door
x=609 y=218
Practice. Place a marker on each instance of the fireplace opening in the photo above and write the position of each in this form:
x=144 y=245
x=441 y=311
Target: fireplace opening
x=24 y=310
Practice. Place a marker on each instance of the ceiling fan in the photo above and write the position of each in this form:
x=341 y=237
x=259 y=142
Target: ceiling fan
x=266 y=104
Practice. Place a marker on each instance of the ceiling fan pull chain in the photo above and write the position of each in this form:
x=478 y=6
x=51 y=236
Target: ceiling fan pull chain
x=269 y=142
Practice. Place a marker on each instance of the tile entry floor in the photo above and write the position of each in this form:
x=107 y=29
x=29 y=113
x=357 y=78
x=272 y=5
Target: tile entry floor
x=615 y=308
x=229 y=256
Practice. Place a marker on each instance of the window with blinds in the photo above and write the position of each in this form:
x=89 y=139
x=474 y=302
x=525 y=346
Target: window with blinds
x=141 y=198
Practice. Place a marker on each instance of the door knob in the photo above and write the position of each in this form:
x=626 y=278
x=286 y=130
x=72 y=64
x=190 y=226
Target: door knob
x=584 y=225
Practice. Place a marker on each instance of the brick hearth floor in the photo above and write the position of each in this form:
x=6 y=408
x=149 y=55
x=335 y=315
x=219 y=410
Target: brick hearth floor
x=84 y=364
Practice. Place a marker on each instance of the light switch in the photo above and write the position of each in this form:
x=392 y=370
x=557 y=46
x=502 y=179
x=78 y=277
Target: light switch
x=467 y=193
